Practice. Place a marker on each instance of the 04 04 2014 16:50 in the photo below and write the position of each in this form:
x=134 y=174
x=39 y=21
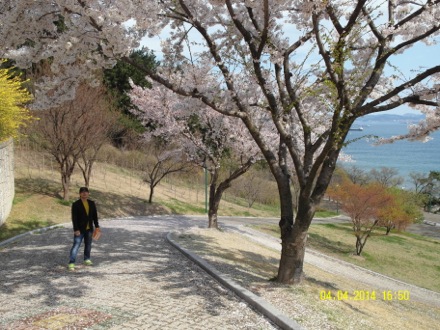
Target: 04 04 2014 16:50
x=362 y=295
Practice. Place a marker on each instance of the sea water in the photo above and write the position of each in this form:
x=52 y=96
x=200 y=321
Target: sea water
x=404 y=156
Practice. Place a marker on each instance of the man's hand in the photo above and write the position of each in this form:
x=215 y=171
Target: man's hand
x=76 y=233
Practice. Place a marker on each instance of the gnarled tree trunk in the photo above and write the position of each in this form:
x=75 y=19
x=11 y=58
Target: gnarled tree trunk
x=216 y=193
x=293 y=244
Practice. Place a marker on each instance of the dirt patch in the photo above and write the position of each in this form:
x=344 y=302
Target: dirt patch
x=61 y=318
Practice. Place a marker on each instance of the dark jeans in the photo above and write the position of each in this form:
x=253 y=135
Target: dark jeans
x=87 y=236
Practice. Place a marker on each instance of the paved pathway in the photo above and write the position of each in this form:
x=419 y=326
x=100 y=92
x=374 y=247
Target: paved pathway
x=138 y=281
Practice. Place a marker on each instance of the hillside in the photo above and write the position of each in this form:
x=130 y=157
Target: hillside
x=119 y=192
x=385 y=117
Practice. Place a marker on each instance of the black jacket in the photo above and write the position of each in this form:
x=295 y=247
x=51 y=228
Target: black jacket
x=80 y=217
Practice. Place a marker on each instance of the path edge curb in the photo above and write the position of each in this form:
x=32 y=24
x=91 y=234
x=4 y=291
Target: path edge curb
x=252 y=299
x=37 y=231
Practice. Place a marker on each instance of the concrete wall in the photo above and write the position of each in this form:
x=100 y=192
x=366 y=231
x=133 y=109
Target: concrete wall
x=7 y=188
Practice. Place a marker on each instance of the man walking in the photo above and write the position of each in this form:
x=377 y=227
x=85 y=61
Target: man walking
x=84 y=220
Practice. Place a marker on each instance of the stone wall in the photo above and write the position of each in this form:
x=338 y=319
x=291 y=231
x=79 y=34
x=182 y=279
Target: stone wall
x=7 y=188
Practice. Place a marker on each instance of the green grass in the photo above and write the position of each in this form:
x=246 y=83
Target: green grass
x=179 y=207
x=274 y=209
x=18 y=227
x=20 y=199
x=325 y=214
x=63 y=202
x=408 y=257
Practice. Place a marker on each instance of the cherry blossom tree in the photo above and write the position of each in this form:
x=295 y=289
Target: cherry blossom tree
x=205 y=136
x=76 y=37
x=308 y=69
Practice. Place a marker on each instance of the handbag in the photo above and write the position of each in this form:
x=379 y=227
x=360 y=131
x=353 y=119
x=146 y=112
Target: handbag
x=96 y=234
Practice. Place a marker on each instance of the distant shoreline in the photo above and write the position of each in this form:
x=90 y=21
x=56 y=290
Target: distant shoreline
x=404 y=156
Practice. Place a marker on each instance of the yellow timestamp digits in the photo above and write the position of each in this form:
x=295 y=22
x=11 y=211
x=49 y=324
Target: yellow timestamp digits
x=395 y=295
x=363 y=295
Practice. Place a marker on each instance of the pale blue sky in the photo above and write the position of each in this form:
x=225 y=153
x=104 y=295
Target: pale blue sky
x=421 y=56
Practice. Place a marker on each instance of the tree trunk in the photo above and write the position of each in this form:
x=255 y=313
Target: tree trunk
x=359 y=245
x=389 y=228
x=293 y=248
x=150 y=198
x=86 y=180
x=214 y=203
x=65 y=182
x=216 y=193
x=66 y=169
x=213 y=220
x=293 y=235
x=361 y=239
x=88 y=173
x=293 y=243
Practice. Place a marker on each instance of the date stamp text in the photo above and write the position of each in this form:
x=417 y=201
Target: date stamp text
x=365 y=295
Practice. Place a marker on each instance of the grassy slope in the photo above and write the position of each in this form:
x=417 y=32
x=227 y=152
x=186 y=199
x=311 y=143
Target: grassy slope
x=411 y=258
x=118 y=192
